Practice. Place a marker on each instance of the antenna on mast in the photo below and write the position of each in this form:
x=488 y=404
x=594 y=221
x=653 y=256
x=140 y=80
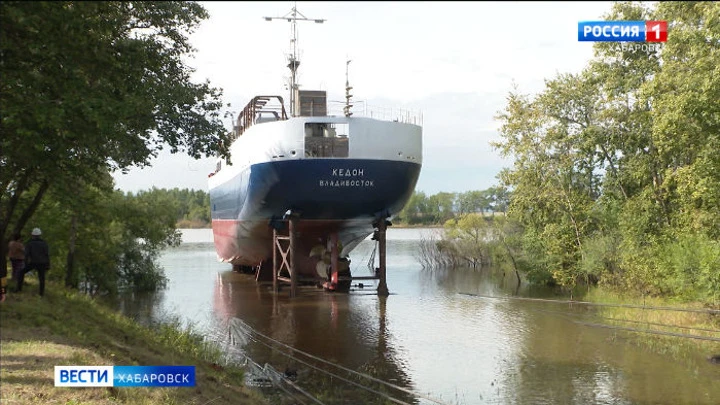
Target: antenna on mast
x=293 y=60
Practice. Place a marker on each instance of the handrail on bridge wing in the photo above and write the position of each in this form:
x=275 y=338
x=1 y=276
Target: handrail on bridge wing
x=254 y=110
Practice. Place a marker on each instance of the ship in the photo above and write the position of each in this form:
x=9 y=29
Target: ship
x=337 y=172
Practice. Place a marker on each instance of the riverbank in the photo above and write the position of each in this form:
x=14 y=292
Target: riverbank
x=66 y=328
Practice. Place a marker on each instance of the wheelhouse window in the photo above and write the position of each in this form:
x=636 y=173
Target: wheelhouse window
x=326 y=139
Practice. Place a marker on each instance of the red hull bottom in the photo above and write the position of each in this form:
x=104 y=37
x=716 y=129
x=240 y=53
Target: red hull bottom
x=249 y=243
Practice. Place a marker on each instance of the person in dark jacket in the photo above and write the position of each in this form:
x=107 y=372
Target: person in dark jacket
x=16 y=253
x=37 y=257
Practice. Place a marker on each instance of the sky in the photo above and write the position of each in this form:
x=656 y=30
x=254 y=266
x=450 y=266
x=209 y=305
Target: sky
x=453 y=61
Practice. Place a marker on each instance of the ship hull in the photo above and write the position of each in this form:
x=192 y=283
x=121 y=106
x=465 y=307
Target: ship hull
x=330 y=195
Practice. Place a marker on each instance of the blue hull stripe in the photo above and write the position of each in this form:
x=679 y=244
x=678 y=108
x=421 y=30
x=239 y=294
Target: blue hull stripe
x=333 y=189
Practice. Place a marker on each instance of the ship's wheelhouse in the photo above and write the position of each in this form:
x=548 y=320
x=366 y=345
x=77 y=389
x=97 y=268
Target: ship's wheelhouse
x=327 y=140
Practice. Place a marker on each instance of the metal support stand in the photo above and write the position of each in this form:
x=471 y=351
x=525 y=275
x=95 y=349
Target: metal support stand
x=382 y=286
x=275 y=260
x=284 y=258
x=334 y=267
x=293 y=262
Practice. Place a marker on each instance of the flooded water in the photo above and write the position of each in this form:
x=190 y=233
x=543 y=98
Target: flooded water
x=434 y=337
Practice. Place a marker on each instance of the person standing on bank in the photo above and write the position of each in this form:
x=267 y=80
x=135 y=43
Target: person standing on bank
x=16 y=253
x=37 y=257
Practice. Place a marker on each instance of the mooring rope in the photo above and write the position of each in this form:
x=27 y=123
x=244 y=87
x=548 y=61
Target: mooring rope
x=650 y=331
x=623 y=328
x=397 y=387
x=331 y=374
x=598 y=304
x=664 y=325
x=263 y=370
x=302 y=391
x=629 y=329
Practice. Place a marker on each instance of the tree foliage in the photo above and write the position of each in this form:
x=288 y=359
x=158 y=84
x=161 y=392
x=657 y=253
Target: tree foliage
x=110 y=240
x=192 y=207
x=616 y=173
x=92 y=87
x=467 y=238
x=438 y=208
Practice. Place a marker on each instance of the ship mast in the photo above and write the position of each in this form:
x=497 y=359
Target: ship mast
x=293 y=61
x=348 y=96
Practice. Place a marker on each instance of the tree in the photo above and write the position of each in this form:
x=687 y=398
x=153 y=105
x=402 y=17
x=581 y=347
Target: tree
x=552 y=177
x=616 y=170
x=111 y=241
x=441 y=207
x=471 y=202
x=686 y=115
x=95 y=86
x=499 y=199
x=417 y=209
x=468 y=237
x=506 y=247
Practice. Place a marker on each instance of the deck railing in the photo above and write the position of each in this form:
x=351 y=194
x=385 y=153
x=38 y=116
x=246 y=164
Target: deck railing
x=363 y=109
x=258 y=109
x=262 y=108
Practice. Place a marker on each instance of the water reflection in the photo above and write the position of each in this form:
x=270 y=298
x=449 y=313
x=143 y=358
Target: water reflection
x=346 y=329
x=562 y=361
x=142 y=307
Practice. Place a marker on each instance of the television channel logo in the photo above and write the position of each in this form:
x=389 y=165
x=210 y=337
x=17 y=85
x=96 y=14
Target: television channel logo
x=622 y=31
x=124 y=376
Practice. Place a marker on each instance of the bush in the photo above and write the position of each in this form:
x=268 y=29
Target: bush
x=692 y=265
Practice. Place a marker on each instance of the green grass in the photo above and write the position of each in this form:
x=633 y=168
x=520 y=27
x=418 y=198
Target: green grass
x=66 y=328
